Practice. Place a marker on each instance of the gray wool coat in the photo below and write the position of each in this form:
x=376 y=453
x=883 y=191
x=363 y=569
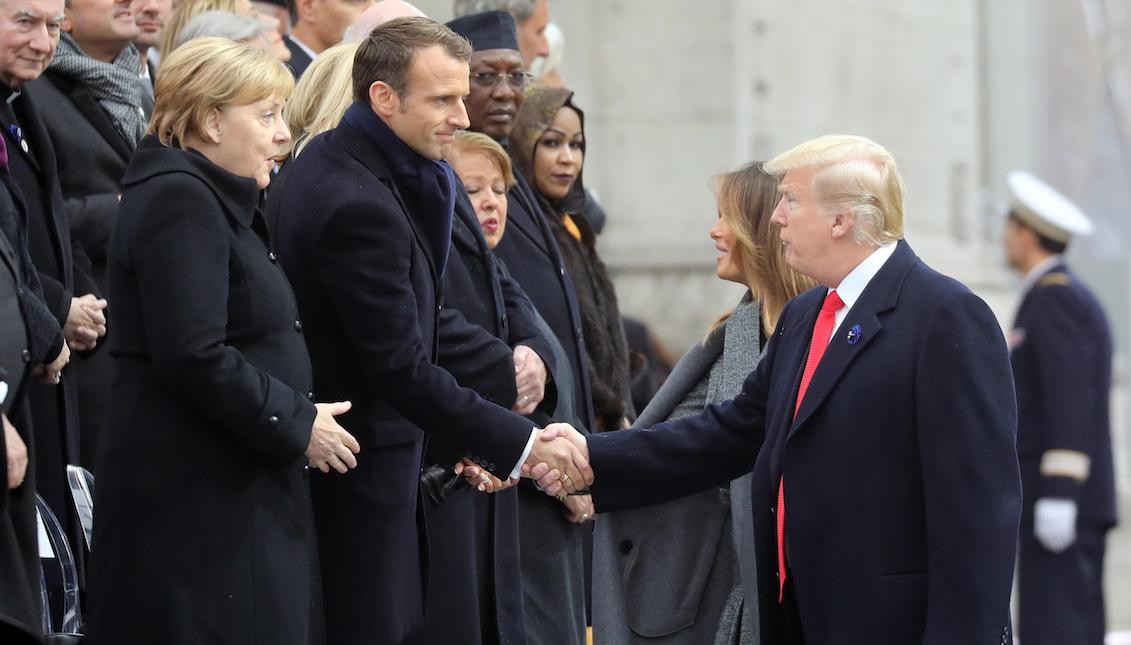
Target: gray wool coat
x=683 y=572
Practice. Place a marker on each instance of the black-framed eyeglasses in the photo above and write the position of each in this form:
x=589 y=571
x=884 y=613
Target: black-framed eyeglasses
x=517 y=80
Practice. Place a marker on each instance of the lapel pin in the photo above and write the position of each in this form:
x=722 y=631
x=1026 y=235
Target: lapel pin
x=18 y=135
x=854 y=335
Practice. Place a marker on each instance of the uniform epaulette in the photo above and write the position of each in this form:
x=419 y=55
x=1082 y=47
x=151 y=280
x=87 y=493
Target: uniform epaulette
x=1055 y=279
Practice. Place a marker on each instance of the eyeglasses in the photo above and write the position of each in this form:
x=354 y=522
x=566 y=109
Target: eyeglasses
x=517 y=80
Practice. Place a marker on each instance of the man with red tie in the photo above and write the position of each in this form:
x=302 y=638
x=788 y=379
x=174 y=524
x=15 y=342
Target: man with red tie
x=880 y=427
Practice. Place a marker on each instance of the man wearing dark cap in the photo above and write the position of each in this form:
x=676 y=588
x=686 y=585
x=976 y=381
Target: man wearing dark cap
x=1061 y=351
x=555 y=612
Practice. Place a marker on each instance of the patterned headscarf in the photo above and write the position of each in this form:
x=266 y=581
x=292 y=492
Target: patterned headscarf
x=541 y=105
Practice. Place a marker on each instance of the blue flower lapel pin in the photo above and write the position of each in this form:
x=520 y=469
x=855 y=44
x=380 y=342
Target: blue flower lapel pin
x=853 y=335
x=18 y=135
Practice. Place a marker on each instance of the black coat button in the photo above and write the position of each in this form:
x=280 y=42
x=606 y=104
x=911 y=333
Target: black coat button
x=271 y=256
x=626 y=547
x=273 y=421
x=310 y=395
x=25 y=356
x=298 y=326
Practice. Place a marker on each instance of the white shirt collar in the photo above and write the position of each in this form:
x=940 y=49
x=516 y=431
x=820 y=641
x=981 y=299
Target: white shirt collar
x=857 y=280
x=303 y=47
x=1038 y=271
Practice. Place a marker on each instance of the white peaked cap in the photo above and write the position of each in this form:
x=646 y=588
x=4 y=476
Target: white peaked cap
x=1043 y=208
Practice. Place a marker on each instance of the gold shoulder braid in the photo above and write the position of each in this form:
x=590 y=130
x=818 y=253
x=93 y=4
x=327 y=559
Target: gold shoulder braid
x=1055 y=279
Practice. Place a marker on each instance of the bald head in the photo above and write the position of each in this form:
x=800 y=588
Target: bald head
x=378 y=14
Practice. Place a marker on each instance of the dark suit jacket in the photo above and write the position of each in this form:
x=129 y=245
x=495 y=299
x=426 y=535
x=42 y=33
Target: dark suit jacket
x=900 y=466
x=201 y=495
x=366 y=270
x=1062 y=364
x=300 y=60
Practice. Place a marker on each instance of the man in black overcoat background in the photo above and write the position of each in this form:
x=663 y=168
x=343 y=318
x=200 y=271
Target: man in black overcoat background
x=364 y=239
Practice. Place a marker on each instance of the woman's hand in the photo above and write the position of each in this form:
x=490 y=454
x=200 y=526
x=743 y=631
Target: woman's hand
x=17 y=455
x=482 y=480
x=579 y=508
x=330 y=445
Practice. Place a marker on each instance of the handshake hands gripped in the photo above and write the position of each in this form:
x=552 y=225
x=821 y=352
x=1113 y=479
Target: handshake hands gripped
x=558 y=462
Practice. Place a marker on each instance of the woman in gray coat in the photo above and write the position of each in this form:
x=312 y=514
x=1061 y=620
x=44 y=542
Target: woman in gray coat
x=681 y=572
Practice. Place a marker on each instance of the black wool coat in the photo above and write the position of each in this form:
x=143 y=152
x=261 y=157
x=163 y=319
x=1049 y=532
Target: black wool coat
x=19 y=555
x=204 y=525
x=364 y=245
x=64 y=272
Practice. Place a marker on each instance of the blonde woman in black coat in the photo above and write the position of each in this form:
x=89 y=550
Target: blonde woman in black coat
x=203 y=530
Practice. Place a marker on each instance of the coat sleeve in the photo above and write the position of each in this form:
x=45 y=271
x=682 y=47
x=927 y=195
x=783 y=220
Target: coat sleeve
x=476 y=359
x=966 y=420
x=363 y=262
x=1065 y=360
x=641 y=467
x=92 y=219
x=180 y=256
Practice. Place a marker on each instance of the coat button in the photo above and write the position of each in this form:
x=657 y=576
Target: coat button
x=298 y=326
x=25 y=356
x=271 y=256
x=562 y=271
x=626 y=547
x=310 y=395
x=273 y=421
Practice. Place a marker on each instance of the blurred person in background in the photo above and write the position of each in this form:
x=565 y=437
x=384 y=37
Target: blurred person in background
x=379 y=13
x=211 y=377
x=150 y=17
x=545 y=68
x=1061 y=350
x=189 y=9
x=317 y=25
x=548 y=145
x=683 y=572
x=531 y=18
x=276 y=9
x=224 y=24
x=551 y=535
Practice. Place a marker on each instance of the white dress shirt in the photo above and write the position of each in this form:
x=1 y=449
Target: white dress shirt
x=857 y=280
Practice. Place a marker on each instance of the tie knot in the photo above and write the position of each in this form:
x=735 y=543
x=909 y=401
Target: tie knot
x=832 y=302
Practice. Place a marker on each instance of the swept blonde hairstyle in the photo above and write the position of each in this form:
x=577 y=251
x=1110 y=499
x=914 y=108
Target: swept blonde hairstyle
x=746 y=199
x=477 y=142
x=188 y=10
x=322 y=95
x=853 y=174
x=209 y=73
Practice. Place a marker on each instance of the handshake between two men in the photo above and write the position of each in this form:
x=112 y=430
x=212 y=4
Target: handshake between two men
x=558 y=463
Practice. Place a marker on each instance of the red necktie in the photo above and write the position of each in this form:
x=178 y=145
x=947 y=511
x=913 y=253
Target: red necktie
x=822 y=329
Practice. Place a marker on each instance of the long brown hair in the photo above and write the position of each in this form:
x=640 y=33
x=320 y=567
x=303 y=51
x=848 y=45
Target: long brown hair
x=746 y=199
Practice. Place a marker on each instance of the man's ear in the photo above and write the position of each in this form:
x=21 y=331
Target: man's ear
x=67 y=25
x=842 y=224
x=384 y=99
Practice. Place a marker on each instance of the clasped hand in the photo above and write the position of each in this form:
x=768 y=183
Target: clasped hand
x=559 y=461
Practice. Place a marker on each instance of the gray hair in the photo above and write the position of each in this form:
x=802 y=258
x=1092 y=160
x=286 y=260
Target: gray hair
x=223 y=24
x=520 y=9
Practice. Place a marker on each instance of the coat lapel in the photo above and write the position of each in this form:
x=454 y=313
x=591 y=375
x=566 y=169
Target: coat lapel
x=862 y=320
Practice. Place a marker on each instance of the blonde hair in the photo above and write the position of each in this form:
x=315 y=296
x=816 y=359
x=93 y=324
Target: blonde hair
x=746 y=199
x=477 y=142
x=853 y=174
x=322 y=95
x=209 y=73
x=188 y=10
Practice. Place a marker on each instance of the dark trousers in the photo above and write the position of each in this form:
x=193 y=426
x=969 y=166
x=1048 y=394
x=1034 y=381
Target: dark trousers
x=1060 y=595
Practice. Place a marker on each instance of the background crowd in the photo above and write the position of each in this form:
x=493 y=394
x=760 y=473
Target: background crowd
x=201 y=308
